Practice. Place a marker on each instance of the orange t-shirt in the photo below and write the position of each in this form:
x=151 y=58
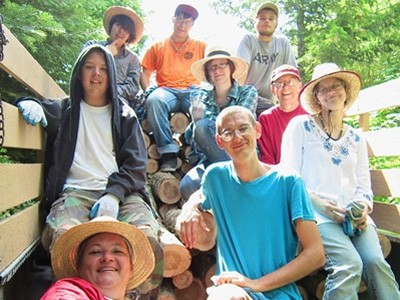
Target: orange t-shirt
x=172 y=68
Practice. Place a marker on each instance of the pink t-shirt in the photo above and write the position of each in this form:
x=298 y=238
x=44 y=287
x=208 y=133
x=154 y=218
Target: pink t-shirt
x=274 y=122
x=72 y=289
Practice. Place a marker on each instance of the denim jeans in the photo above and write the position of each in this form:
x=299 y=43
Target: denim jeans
x=160 y=103
x=204 y=136
x=350 y=259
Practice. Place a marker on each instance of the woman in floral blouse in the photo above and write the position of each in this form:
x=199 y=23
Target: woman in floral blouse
x=332 y=158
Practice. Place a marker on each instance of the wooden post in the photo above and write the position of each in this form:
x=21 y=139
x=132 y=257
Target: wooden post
x=152 y=152
x=152 y=166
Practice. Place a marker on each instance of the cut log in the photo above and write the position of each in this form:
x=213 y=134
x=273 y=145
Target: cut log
x=166 y=187
x=177 y=257
x=196 y=291
x=147 y=140
x=146 y=126
x=152 y=152
x=179 y=122
x=183 y=280
x=386 y=244
x=152 y=166
x=205 y=240
x=167 y=290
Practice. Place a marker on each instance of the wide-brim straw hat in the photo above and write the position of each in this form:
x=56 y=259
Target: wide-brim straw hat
x=64 y=255
x=130 y=13
x=241 y=67
x=327 y=70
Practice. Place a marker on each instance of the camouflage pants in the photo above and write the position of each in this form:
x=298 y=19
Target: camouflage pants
x=73 y=208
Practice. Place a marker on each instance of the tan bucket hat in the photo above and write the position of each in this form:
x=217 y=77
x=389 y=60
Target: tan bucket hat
x=65 y=251
x=327 y=70
x=241 y=67
x=126 y=11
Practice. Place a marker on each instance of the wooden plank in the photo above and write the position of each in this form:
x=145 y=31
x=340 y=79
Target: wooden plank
x=20 y=64
x=17 y=233
x=381 y=96
x=19 y=183
x=387 y=216
x=386 y=182
x=383 y=142
x=18 y=134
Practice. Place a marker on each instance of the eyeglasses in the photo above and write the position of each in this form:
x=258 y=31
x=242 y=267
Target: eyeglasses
x=214 y=68
x=187 y=22
x=227 y=135
x=281 y=84
x=336 y=87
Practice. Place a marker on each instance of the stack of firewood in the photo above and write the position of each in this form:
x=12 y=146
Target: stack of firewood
x=187 y=272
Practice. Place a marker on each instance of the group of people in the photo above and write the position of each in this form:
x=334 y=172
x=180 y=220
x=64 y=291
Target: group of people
x=286 y=180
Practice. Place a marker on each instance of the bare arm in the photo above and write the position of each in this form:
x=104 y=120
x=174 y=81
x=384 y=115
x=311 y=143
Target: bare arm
x=309 y=259
x=145 y=78
x=191 y=221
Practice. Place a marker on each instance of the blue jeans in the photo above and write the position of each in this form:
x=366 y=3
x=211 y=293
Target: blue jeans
x=350 y=259
x=204 y=136
x=160 y=103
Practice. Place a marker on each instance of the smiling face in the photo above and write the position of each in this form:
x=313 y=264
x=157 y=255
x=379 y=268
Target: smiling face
x=218 y=70
x=244 y=132
x=106 y=263
x=287 y=88
x=94 y=77
x=331 y=94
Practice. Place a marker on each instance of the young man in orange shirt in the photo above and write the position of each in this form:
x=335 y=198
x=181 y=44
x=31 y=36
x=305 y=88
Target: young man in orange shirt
x=171 y=60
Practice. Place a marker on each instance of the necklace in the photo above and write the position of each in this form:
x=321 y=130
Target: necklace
x=178 y=49
x=327 y=131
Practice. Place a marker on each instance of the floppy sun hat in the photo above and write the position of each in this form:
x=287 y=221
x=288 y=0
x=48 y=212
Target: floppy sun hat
x=126 y=11
x=197 y=68
x=64 y=255
x=329 y=70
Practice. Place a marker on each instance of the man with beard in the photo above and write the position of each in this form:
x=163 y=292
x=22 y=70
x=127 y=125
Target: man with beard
x=264 y=52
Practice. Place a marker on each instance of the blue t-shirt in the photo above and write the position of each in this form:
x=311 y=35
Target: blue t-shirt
x=255 y=222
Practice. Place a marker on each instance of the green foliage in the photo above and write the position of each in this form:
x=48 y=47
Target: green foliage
x=9 y=212
x=4 y=158
x=54 y=31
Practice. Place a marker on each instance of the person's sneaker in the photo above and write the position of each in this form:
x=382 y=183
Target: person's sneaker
x=169 y=162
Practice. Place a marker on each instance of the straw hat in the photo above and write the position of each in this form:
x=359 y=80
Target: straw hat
x=328 y=70
x=126 y=11
x=65 y=251
x=197 y=69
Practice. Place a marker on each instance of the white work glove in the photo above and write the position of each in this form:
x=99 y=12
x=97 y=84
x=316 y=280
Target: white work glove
x=197 y=106
x=108 y=205
x=32 y=112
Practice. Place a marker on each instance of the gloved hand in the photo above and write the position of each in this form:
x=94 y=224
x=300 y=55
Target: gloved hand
x=32 y=112
x=197 y=106
x=108 y=205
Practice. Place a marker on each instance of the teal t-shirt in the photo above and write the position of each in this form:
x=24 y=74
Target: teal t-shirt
x=255 y=222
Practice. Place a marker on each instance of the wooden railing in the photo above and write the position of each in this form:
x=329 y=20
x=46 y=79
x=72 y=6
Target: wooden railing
x=21 y=183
